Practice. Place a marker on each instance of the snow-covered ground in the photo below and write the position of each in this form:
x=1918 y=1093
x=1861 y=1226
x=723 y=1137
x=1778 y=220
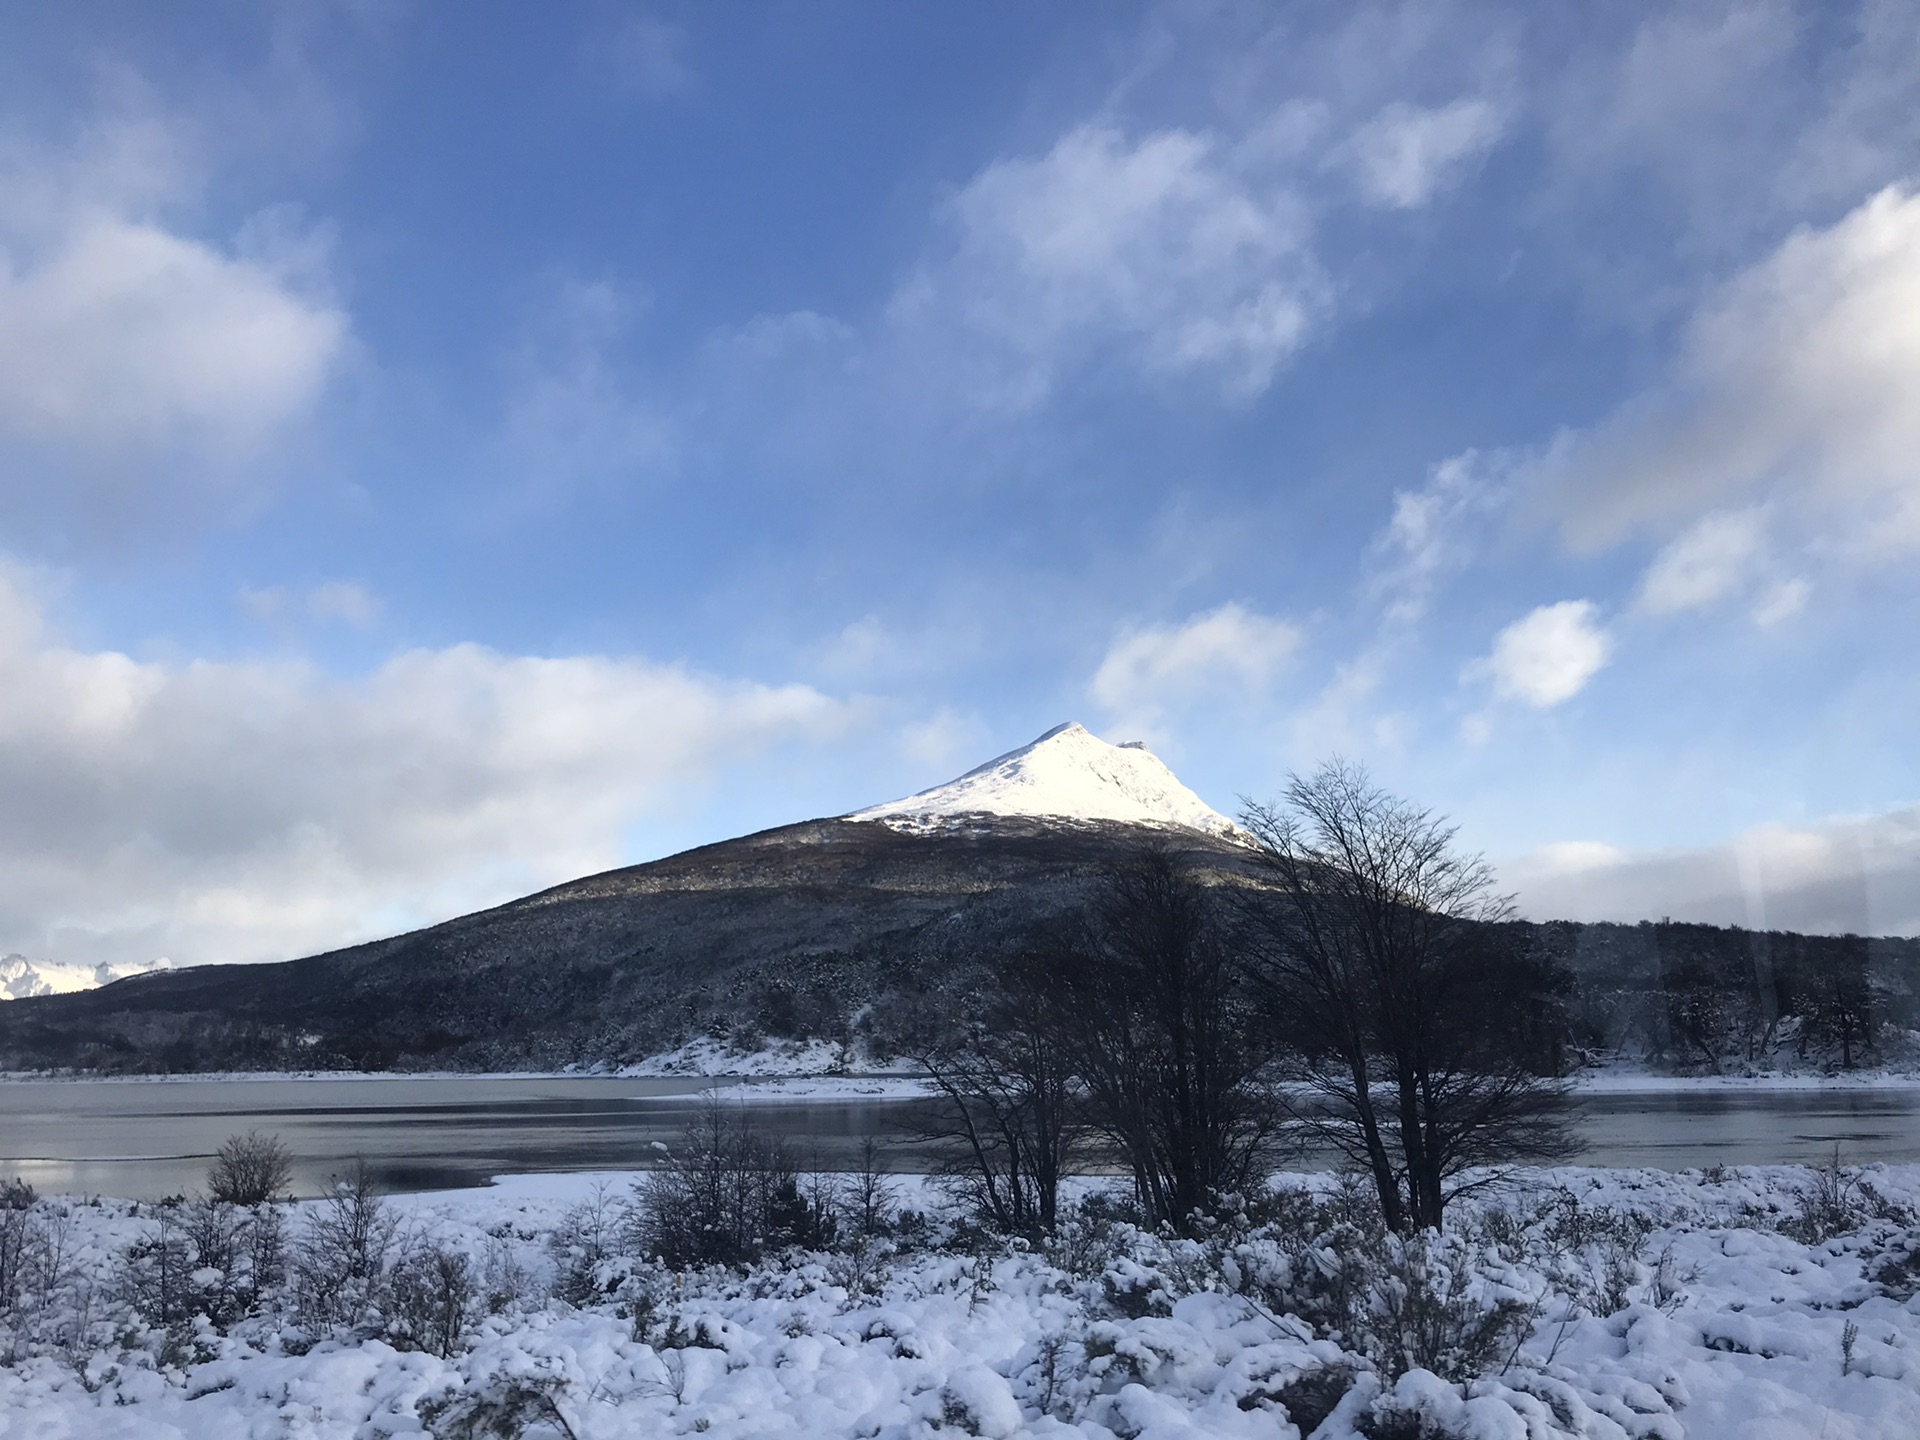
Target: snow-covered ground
x=1714 y=1306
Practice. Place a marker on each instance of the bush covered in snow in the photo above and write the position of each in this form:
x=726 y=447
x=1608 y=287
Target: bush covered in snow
x=1571 y=1303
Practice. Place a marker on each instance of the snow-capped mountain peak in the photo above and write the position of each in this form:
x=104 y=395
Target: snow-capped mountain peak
x=21 y=977
x=1068 y=773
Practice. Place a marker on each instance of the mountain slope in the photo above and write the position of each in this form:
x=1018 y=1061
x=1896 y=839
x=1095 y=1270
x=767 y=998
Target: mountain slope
x=790 y=931
x=831 y=929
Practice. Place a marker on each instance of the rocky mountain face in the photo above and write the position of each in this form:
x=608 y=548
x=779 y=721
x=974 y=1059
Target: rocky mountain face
x=809 y=930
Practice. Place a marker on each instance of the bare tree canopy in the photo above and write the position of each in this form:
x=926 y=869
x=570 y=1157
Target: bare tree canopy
x=1398 y=992
x=1148 y=1001
x=1006 y=1101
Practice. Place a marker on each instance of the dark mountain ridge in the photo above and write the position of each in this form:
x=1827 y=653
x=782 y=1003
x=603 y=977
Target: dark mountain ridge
x=838 y=929
x=788 y=932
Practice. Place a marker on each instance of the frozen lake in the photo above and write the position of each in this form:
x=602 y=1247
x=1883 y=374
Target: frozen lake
x=148 y=1139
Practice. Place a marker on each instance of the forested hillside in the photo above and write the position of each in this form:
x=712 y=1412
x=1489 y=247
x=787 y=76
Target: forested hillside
x=849 y=931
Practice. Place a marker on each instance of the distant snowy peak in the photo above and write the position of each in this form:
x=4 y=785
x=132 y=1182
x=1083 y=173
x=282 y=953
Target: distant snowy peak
x=21 y=978
x=1066 y=774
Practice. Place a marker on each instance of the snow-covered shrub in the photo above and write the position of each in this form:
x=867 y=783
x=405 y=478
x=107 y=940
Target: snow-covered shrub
x=47 y=1303
x=343 y=1262
x=870 y=1200
x=1433 y=1306
x=1305 y=1254
x=20 y=1228
x=1136 y=1290
x=506 y=1283
x=434 y=1299
x=1593 y=1252
x=587 y=1246
x=203 y=1259
x=502 y=1405
x=1324 y=1265
x=862 y=1264
x=1090 y=1232
x=1049 y=1371
x=1839 y=1200
x=976 y=1401
x=643 y=1296
x=1832 y=1204
x=725 y=1196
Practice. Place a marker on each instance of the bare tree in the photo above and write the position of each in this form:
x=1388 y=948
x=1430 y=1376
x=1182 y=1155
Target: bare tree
x=1839 y=1000
x=1389 y=982
x=1005 y=1111
x=1148 y=1004
x=871 y=1198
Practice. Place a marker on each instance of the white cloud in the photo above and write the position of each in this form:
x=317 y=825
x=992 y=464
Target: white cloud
x=148 y=372
x=344 y=600
x=1715 y=557
x=768 y=338
x=120 y=333
x=1683 y=109
x=860 y=649
x=1858 y=874
x=347 y=601
x=1548 y=656
x=945 y=738
x=1427 y=538
x=1782 y=602
x=1798 y=381
x=226 y=810
x=1230 y=651
x=1164 y=252
x=1406 y=154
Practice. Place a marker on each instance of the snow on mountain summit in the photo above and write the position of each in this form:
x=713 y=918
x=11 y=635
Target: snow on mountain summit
x=1068 y=773
x=21 y=977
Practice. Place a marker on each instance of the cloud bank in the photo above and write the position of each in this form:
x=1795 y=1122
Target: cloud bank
x=1229 y=654
x=121 y=334
x=1168 y=252
x=1847 y=874
x=1798 y=381
x=234 y=810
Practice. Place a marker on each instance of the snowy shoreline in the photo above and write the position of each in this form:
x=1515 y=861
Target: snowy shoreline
x=900 y=1084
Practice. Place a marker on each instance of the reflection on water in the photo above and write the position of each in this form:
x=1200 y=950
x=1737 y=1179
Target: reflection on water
x=153 y=1139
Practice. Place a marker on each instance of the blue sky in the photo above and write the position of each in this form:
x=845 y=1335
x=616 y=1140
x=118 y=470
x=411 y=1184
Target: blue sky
x=447 y=449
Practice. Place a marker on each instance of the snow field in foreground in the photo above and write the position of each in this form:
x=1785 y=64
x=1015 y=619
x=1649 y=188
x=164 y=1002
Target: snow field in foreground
x=1729 y=1329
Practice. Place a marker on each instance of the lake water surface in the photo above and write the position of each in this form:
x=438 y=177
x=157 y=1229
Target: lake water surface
x=149 y=1139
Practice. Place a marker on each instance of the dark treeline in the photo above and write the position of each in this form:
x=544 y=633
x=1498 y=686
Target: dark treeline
x=1701 y=998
